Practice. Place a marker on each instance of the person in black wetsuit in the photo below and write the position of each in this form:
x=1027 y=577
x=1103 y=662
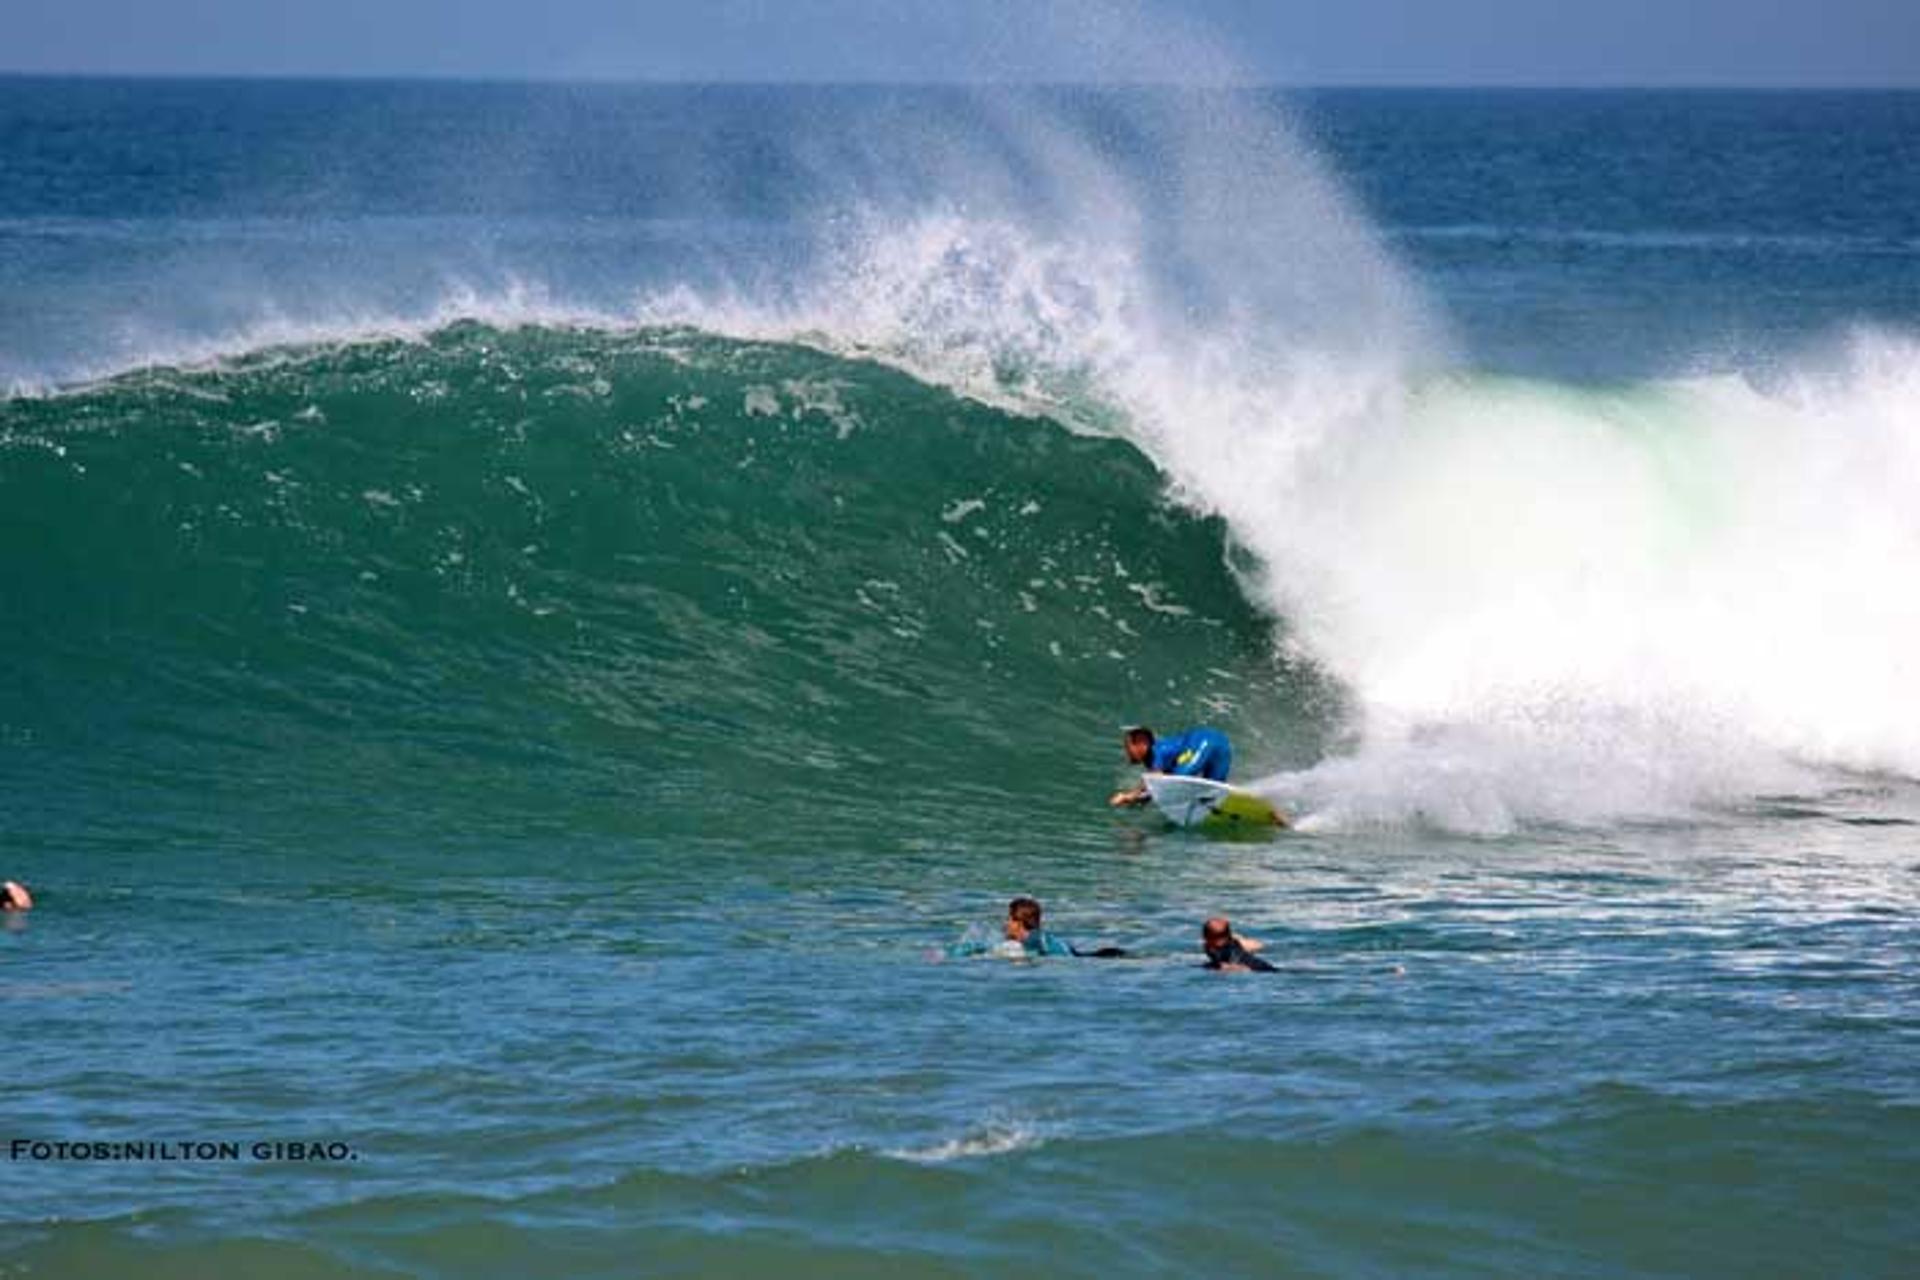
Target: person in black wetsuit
x=1227 y=951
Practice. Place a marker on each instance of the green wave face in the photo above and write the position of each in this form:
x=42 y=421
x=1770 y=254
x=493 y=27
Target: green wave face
x=613 y=581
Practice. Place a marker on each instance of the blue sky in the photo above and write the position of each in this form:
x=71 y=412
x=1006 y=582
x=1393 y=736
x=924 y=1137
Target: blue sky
x=1442 y=42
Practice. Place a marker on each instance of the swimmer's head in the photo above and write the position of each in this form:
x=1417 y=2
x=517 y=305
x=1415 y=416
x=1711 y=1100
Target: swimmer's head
x=14 y=896
x=1216 y=938
x=1139 y=742
x=1023 y=917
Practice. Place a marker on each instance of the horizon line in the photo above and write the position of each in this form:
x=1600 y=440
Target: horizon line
x=723 y=82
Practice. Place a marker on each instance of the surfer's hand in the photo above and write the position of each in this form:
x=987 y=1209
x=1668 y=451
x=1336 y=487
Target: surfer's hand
x=1121 y=799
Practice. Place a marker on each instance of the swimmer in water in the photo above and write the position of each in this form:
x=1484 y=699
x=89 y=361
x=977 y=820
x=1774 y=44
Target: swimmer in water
x=1027 y=936
x=1229 y=952
x=1023 y=926
x=14 y=896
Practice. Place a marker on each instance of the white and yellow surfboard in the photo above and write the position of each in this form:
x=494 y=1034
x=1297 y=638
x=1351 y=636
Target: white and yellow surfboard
x=1209 y=805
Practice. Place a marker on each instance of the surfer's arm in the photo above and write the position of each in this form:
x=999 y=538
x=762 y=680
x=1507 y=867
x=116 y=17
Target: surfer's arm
x=1122 y=799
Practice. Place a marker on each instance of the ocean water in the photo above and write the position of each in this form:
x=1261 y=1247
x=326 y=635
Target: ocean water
x=533 y=614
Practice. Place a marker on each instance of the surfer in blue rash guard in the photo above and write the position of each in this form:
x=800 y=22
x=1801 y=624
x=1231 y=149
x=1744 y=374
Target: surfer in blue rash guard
x=1200 y=752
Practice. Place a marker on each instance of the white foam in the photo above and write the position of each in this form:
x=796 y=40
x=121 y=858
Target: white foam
x=1575 y=606
x=995 y=1138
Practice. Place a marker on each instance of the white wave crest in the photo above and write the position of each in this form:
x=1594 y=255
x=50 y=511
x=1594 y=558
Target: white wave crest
x=996 y=1138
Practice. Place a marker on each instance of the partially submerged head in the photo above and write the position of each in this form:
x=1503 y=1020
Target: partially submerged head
x=14 y=896
x=1023 y=918
x=1139 y=743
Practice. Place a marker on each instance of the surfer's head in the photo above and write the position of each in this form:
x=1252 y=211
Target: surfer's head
x=1216 y=939
x=1023 y=917
x=14 y=896
x=1139 y=740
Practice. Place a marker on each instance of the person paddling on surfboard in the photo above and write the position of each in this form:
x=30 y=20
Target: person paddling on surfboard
x=1200 y=752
